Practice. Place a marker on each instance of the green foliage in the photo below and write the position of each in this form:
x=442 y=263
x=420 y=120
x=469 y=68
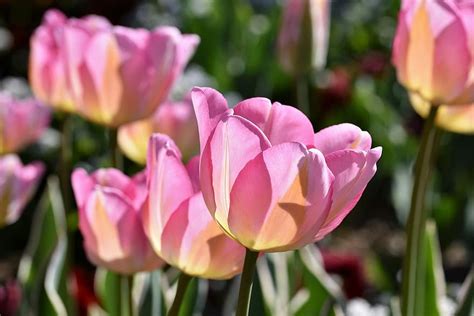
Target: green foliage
x=43 y=270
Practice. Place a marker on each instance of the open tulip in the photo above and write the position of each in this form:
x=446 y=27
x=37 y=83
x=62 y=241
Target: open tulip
x=18 y=183
x=48 y=64
x=175 y=119
x=177 y=221
x=304 y=35
x=433 y=50
x=118 y=75
x=21 y=122
x=454 y=118
x=110 y=206
x=268 y=180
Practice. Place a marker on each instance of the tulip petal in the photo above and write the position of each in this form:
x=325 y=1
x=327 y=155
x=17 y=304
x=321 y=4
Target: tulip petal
x=352 y=170
x=82 y=185
x=280 y=198
x=454 y=118
x=280 y=123
x=168 y=185
x=209 y=106
x=340 y=137
x=193 y=170
x=234 y=142
x=194 y=243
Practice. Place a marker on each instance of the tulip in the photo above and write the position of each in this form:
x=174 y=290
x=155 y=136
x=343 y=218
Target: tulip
x=457 y=118
x=110 y=206
x=47 y=58
x=269 y=181
x=18 y=183
x=21 y=122
x=177 y=221
x=118 y=75
x=433 y=50
x=304 y=35
x=175 y=119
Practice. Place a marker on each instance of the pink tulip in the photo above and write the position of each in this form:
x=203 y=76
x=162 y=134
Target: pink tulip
x=110 y=206
x=47 y=58
x=175 y=119
x=304 y=35
x=119 y=75
x=268 y=180
x=18 y=183
x=177 y=221
x=21 y=122
x=433 y=50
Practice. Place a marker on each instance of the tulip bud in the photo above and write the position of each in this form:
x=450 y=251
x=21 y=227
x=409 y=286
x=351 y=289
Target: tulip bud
x=110 y=206
x=433 y=50
x=21 y=122
x=304 y=35
x=18 y=183
x=269 y=181
x=177 y=221
x=175 y=119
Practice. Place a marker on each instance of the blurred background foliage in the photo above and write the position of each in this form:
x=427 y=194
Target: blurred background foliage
x=237 y=55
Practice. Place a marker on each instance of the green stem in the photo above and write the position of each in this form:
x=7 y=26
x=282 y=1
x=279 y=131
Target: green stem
x=302 y=94
x=64 y=166
x=126 y=301
x=183 y=283
x=116 y=158
x=246 y=282
x=413 y=266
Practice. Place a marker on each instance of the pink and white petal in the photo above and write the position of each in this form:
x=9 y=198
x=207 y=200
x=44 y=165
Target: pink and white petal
x=82 y=185
x=280 y=123
x=340 y=137
x=193 y=170
x=235 y=142
x=291 y=190
x=352 y=170
x=210 y=107
x=168 y=186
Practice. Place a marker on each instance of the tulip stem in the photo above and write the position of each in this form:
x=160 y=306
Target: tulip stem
x=116 y=158
x=183 y=283
x=246 y=283
x=302 y=94
x=413 y=278
x=126 y=300
x=64 y=166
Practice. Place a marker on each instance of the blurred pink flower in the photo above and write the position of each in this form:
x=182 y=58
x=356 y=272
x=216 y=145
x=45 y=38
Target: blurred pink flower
x=268 y=180
x=175 y=119
x=304 y=35
x=433 y=50
x=110 y=206
x=48 y=65
x=21 y=122
x=177 y=220
x=18 y=183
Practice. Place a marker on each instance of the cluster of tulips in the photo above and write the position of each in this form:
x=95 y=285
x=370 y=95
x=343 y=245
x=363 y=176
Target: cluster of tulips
x=222 y=184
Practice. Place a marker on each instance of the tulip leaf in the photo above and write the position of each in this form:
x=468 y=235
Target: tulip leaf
x=152 y=298
x=195 y=297
x=42 y=271
x=435 y=287
x=322 y=292
x=107 y=287
x=466 y=296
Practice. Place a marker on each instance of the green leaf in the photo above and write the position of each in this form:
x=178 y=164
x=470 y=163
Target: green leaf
x=322 y=291
x=107 y=287
x=435 y=288
x=152 y=298
x=466 y=296
x=43 y=269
